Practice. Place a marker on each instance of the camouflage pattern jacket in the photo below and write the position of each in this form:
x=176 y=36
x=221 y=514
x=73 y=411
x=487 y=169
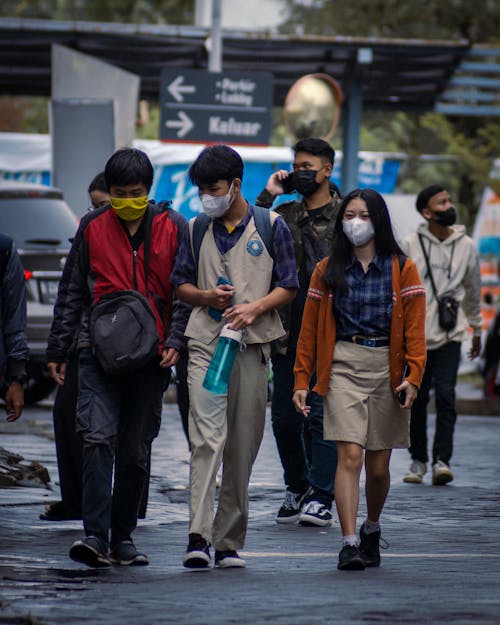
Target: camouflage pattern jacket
x=312 y=236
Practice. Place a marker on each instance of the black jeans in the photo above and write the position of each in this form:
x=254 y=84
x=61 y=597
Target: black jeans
x=441 y=374
x=68 y=441
x=118 y=417
x=288 y=428
x=182 y=392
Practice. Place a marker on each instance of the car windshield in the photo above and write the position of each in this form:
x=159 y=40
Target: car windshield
x=37 y=222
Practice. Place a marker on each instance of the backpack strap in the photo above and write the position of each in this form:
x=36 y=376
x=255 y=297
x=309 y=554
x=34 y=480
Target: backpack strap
x=5 y=250
x=262 y=218
x=402 y=261
x=147 y=245
x=263 y=224
x=200 y=226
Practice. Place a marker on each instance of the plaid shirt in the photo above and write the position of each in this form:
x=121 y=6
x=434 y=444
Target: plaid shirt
x=366 y=307
x=284 y=268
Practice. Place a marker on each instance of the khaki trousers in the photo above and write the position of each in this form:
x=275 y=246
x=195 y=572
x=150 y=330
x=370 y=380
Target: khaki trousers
x=228 y=429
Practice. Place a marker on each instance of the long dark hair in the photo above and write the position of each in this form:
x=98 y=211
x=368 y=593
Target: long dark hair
x=385 y=243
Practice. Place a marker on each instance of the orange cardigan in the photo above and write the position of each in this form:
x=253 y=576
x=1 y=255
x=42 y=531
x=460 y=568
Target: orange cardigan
x=315 y=349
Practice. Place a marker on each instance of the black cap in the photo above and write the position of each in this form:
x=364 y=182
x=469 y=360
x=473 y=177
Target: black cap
x=425 y=195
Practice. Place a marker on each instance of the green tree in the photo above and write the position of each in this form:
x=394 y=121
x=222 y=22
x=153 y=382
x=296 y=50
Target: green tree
x=425 y=19
x=460 y=149
x=135 y=11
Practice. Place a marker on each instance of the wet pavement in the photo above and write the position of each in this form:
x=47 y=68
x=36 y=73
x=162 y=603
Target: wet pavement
x=443 y=564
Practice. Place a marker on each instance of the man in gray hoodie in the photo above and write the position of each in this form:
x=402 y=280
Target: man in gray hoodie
x=445 y=255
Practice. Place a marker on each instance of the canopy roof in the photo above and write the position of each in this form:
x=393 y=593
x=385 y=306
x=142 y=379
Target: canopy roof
x=400 y=74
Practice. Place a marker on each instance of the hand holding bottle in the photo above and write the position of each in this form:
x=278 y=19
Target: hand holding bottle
x=220 y=367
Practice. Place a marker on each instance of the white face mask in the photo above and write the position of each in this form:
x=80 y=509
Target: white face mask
x=216 y=205
x=358 y=231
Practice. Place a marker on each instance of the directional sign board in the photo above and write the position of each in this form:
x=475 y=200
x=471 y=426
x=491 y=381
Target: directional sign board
x=198 y=106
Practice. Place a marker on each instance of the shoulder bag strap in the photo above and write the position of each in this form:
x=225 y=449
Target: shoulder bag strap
x=147 y=245
x=428 y=266
x=451 y=259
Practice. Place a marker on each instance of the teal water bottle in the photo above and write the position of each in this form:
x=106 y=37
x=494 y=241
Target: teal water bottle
x=220 y=367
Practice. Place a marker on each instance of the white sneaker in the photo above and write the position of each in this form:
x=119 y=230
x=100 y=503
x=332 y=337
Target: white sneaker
x=229 y=560
x=441 y=473
x=416 y=472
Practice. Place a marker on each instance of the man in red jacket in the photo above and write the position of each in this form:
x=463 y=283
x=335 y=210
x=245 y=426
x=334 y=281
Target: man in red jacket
x=118 y=416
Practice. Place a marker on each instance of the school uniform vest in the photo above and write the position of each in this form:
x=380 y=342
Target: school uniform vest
x=249 y=266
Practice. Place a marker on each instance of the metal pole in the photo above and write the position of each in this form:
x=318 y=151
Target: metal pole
x=200 y=13
x=215 y=52
x=351 y=123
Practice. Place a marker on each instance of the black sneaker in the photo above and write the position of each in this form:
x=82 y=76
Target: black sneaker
x=315 y=513
x=369 y=547
x=197 y=553
x=126 y=554
x=291 y=507
x=350 y=559
x=91 y=552
x=229 y=559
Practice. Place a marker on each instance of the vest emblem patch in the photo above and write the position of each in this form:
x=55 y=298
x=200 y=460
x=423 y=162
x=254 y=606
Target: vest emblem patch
x=255 y=247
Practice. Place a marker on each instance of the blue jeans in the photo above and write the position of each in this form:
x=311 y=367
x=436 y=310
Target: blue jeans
x=118 y=418
x=441 y=374
x=288 y=428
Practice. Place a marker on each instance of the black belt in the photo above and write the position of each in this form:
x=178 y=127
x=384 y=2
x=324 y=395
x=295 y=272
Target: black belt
x=367 y=341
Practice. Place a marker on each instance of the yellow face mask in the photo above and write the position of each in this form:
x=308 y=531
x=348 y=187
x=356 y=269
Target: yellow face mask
x=129 y=208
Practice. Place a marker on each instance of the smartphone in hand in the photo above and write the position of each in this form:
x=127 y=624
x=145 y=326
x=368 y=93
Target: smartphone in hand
x=216 y=313
x=288 y=184
x=402 y=394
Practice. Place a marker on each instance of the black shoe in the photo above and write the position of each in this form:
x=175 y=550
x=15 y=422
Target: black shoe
x=350 y=559
x=315 y=513
x=369 y=547
x=126 y=554
x=58 y=512
x=229 y=559
x=197 y=553
x=291 y=507
x=91 y=552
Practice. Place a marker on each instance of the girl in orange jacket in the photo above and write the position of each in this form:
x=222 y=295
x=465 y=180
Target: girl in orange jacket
x=363 y=331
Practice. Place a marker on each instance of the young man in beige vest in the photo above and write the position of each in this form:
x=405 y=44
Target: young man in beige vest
x=228 y=427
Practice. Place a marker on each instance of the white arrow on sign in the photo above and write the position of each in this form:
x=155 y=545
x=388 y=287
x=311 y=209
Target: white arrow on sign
x=184 y=124
x=176 y=88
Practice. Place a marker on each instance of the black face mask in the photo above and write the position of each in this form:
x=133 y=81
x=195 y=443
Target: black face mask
x=445 y=218
x=305 y=182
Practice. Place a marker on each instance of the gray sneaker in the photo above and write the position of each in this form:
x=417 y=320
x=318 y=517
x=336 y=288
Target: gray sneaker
x=126 y=554
x=90 y=551
x=416 y=472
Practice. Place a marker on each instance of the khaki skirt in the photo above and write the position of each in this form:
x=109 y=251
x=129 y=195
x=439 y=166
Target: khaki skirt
x=360 y=407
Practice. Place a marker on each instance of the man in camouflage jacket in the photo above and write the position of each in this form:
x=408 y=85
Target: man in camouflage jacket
x=308 y=461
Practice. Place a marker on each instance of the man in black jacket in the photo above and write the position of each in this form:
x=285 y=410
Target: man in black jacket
x=13 y=345
x=309 y=481
x=118 y=415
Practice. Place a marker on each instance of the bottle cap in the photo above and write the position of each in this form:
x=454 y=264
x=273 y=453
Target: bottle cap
x=236 y=335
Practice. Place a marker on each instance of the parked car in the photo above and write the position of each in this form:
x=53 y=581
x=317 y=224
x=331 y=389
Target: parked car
x=42 y=225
